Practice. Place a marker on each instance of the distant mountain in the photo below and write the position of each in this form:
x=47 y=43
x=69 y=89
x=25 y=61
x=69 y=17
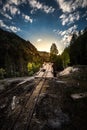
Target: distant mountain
x=15 y=53
x=45 y=55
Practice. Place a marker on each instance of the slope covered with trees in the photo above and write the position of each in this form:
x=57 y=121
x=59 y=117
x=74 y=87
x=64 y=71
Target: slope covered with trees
x=16 y=54
x=76 y=52
x=44 y=55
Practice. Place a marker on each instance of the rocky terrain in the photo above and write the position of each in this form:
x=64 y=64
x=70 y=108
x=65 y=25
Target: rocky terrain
x=56 y=109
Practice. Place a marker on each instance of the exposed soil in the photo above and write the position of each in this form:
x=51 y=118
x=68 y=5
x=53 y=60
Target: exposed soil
x=55 y=109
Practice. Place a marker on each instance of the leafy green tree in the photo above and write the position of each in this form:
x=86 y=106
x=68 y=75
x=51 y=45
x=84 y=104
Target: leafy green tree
x=78 y=50
x=73 y=39
x=53 y=52
x=2 y=73
x=53 y=49
x=65 y=57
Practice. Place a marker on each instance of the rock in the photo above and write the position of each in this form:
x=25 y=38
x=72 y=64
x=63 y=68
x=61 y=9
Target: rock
x=2 y=87
x=54 y=123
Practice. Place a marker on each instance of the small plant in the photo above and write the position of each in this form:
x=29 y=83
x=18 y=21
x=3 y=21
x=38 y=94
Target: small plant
x=33 y=67
x=2 y=73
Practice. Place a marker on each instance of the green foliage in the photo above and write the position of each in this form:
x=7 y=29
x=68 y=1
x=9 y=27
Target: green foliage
x=53 y=57
x=53 y=49
x=15 y=53
x=59 y=63
x=2 y=73
x=33 y=67
x=78 y=50
x=65 y=57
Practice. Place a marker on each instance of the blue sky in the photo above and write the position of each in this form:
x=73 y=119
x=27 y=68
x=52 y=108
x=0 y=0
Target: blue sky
x=44 y=22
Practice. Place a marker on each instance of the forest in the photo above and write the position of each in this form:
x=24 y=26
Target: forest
x=74 y=54
x=20 y=58
x=17 y=56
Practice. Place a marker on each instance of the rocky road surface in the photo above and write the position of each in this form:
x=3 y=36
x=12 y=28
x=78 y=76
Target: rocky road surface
x=51 y=106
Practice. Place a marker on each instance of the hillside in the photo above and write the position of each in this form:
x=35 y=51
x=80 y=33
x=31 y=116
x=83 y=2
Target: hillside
x=78 y=50
x=44 y=55
x=16 y=53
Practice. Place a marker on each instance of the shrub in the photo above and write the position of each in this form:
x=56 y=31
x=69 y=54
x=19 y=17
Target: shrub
x=2 y=73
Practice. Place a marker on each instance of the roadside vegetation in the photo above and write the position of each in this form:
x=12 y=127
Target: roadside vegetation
x=74 y=54
x=15 y=56
x=20 y=58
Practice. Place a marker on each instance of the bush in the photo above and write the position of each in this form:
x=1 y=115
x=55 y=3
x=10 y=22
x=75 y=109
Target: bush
x=33 y=67
x=2 y=73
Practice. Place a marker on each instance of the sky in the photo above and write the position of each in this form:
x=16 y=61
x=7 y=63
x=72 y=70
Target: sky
x=44 y=22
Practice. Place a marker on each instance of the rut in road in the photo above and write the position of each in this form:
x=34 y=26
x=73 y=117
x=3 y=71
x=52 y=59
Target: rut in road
x=23 y=115
x=23 y=122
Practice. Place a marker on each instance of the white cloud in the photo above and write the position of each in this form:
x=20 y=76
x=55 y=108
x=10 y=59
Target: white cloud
x=69 y=18
x=37 y=5
x=48 y=9
x=2 y=24
x=11 y=28
x=68 y=31
x=70 y=6
x=69 y=9
x=66 y=35
x=5 y=15
x=13 y=9
x=27 y=18
x=13 y=2
x=39 y=40
x=16 y=2
x=14 y=29
x=65 y=6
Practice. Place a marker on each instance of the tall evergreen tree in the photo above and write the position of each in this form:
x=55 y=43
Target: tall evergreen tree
x=53 y=49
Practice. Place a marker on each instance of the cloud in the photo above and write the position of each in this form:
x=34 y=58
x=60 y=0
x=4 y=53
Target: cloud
x=27 y=18
x=11 y=28
x=64 y=5
x=13 y=2
x=14 y=29
x=36 y=5
x=66 y=35
x=39 y=40
x=70 y=6
x=16 y=2
x=70 y=10
x=69 y=18
x=13 y=9
x=5 y=15
x=68 y=31
x=3 y=25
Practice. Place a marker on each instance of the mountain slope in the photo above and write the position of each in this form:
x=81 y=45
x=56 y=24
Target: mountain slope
x=15 y=53
x=44 y=55
x=78 y=50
